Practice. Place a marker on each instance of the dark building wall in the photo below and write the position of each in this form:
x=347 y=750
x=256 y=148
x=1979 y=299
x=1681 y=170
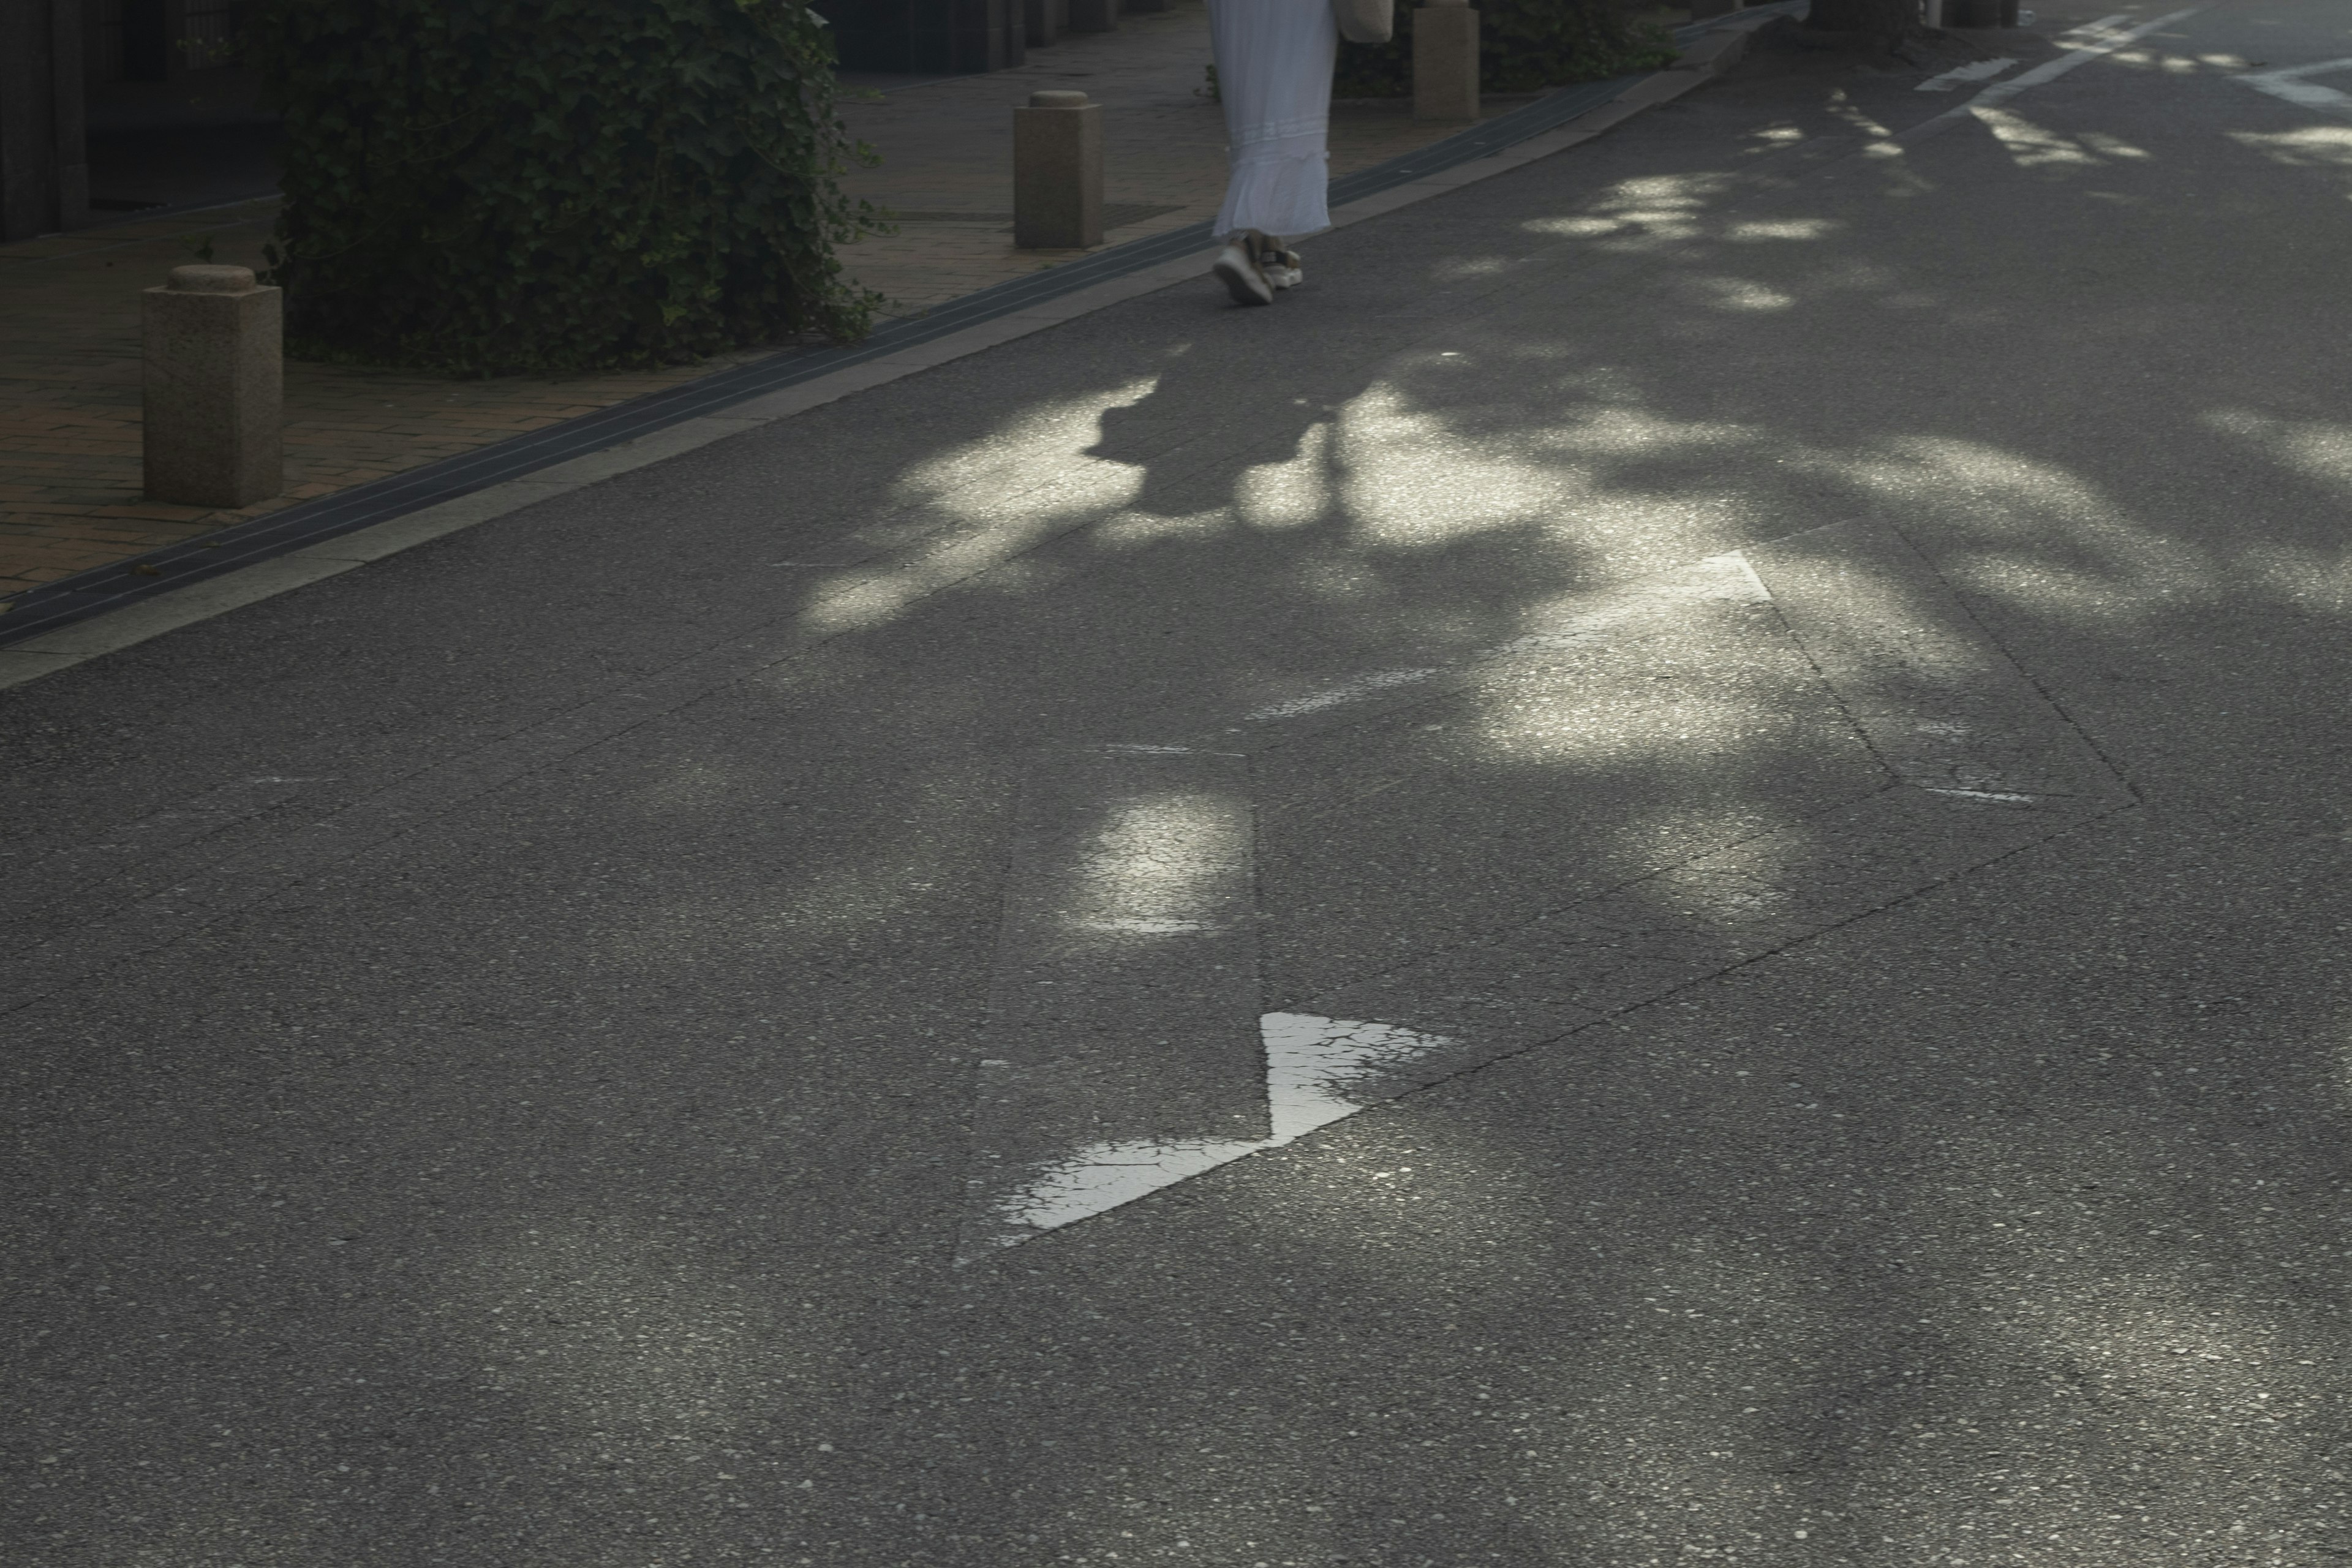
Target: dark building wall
x=43 y=167
x=927 y=37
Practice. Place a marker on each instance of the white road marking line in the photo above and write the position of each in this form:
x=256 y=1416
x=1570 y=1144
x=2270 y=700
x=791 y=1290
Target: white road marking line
x=2001 y=92
x=1346 y=692
x=1318 y=1071
x=1960 y=75
x=2288 y=84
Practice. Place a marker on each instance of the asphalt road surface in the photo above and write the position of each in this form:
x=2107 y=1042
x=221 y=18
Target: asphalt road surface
x=1658 y=876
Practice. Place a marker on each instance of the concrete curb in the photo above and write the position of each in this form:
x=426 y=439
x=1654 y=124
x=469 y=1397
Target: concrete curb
x=102 y=634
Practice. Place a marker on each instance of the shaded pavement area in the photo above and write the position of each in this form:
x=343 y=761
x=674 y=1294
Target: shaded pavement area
x=1809 y=650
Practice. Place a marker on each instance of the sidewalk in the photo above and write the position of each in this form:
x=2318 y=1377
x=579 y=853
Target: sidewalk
x=69 y=353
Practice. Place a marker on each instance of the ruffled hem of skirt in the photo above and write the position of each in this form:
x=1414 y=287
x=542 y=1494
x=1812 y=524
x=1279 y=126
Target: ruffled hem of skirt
x=1287 y=198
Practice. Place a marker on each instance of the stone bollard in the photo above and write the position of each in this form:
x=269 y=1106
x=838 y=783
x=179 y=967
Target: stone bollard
x=215 y=427
x=1057 y=173
x=1445 y=61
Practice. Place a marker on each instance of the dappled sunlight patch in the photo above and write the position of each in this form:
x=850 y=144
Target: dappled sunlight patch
x=1637 y=433
x=1154 y=854
x=979 y=479
x=1411 y=480
x=2318 y=450
x=2165 y=1338
x=1457 y=269
x=2177 y=65
x=1661 y=208
x=1292 y=492
x=1845 y=109
x=2026 y=580
x=1794 y=229
x=2052 y=514
x=1544 y=721
x=2109 y=145
x=1131 y=530
x=986 y=501
x=1342 y=578
x=1741 y=294
x=2029 y=145
x=2311 y=147
x=1575 y=228
x=2313 y=580
x=861 y=598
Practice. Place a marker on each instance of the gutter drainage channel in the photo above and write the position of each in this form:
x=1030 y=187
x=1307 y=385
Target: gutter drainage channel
x=123 y=583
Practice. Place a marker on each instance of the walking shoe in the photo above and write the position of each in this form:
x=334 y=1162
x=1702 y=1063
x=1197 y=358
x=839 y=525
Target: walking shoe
x=1238 y=270
x=1281 y=268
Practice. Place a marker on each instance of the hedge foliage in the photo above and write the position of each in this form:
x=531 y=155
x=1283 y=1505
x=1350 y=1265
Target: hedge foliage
x=486 y=186
x=1523 y=44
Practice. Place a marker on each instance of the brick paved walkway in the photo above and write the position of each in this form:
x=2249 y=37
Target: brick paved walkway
x=69 y=374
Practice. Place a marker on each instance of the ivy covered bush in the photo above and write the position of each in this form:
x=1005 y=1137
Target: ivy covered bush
x=1523 y=44
x=486 y=186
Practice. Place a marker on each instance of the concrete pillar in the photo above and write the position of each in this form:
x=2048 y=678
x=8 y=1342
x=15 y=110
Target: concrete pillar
x=1445 y=61
x=44 y=169
x=1057 y=173
x=1044 y=21
x=215 y=418
x=1094 y=15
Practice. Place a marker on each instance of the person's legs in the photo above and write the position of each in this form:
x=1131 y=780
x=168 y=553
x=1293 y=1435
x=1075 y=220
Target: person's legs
x=1274 y=73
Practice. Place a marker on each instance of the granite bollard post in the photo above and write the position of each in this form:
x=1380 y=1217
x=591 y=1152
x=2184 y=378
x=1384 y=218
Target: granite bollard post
x=1445 y=61
x=215 y=429
x=1057 y=173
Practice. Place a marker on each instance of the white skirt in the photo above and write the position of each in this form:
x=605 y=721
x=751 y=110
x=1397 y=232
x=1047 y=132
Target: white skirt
x=1274 y=72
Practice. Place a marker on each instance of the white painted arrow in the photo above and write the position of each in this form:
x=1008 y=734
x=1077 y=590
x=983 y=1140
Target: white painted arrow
x=1318 y=1070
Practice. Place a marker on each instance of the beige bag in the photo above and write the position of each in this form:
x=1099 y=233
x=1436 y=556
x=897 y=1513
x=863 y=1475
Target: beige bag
x=1366 y=21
